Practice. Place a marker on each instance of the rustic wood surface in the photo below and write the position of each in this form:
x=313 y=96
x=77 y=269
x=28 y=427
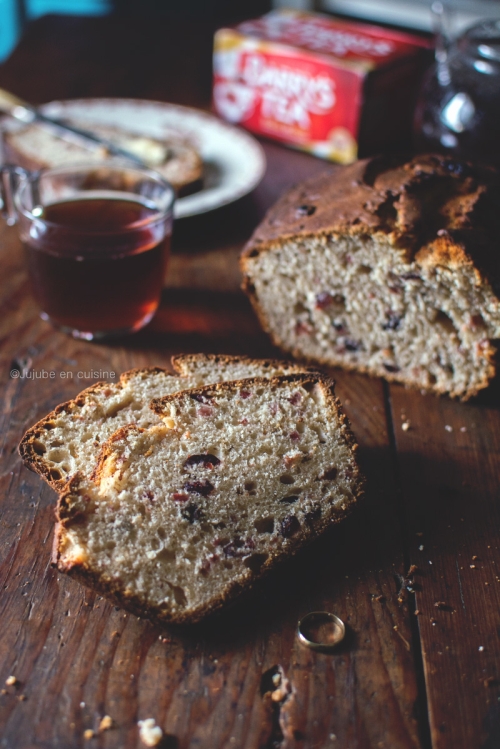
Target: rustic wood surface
x=420 y=666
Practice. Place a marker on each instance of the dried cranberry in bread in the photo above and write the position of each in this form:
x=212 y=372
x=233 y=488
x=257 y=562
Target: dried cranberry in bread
x=69 y=439
x=388 y=267
x=184 y=515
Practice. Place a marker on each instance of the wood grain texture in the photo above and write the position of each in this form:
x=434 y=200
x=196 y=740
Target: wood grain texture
x=448 y=462
x=78 y=658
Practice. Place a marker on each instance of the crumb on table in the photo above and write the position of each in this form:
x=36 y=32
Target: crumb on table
x=149 y=732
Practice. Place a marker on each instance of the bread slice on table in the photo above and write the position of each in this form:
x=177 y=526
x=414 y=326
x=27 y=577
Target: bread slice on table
x=38 y=146
x=387 y=267
x=182 y=516
x=69 y=439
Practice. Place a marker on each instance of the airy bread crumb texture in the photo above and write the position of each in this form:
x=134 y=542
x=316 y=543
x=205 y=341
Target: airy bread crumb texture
x=184 y=514
x=70 y=438
x=387 y=266
x=356 y=302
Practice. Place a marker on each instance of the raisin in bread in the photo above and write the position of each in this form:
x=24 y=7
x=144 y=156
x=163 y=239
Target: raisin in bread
x=391 y=268
x=183 y=515
x=70 y=437
x=37 y=146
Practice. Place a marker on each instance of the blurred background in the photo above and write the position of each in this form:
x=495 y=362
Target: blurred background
x=410 y=14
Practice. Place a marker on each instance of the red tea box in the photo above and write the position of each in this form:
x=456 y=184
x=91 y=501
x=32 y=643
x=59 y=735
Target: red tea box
x=338 y=89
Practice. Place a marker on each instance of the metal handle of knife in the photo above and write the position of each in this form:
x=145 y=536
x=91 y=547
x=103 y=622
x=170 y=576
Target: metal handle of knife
x=26 y=113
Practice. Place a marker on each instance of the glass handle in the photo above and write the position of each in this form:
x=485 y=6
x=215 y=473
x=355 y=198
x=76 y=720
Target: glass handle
x=10 y=177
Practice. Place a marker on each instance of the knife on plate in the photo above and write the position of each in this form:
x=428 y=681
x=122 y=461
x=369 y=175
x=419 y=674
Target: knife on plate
x=24 y=112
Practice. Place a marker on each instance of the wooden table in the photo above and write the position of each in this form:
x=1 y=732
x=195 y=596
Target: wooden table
x=421 y=663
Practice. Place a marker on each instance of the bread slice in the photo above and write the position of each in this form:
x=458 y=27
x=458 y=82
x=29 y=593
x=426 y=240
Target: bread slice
x=387 y=267
x=37 y=146
x=203 y=366
x=70 y=438
x=183 y=515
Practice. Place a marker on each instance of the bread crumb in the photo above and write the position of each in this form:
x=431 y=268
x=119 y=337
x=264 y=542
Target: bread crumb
x=421 y=547
x=490 y=681
x=150 y=734
x=475 y=558
x=463 y=429
x=380 y=599
x=11 y=681
x=3 y=691
x=448 y=428
x=440 y=604
x=417 y=612
x=472 y=566
x=88 y=734
x=22 y=698
x=481 y=648
x=412 y=570
x=106 y=723
x=405 y=426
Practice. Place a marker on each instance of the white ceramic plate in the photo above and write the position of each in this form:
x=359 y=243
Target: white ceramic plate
x=234 y=162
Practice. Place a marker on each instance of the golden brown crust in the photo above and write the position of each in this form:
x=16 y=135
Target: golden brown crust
x=415 y=203
x=435 y=210
x=108 y=588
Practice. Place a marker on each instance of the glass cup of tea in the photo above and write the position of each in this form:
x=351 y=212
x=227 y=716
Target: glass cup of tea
x=97 y=241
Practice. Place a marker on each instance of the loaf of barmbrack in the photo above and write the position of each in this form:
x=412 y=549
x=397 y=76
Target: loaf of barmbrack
x=389 y=267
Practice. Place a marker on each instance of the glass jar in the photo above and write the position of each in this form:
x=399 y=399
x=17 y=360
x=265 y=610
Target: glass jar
x=459 y=105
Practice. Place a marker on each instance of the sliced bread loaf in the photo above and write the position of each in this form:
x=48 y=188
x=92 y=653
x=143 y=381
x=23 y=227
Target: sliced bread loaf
x=70 y=437
x=183 y=515
x=386 y=267
x=36 y=146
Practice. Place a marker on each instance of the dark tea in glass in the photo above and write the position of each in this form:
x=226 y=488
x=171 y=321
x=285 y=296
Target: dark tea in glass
x=97 y=242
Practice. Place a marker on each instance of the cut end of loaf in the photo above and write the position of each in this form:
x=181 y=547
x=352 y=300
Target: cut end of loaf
x=394 y=273
x=181 y=519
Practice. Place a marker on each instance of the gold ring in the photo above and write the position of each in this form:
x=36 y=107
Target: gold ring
x=321 y=631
